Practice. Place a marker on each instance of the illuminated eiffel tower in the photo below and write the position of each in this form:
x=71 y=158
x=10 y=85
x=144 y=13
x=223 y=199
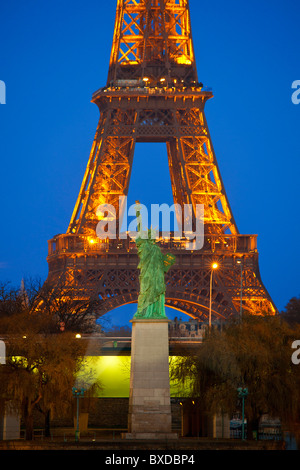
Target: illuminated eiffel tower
x=153 y=95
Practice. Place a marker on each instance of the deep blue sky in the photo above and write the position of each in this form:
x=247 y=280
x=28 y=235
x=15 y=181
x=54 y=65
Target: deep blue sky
x=54 y=55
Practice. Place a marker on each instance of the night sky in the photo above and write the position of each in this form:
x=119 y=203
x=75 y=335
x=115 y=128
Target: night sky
x=54 y=55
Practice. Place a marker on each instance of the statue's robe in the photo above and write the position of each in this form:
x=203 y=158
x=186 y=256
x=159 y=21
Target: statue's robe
x=152 y=265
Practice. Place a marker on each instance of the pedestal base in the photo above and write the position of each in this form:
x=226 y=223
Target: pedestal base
x=150 y=435
x=149 y=400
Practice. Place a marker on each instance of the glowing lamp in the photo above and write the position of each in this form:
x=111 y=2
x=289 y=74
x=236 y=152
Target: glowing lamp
x=183 y=60
x=215 y=266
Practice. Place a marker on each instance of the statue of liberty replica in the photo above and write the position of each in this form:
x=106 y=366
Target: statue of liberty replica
x=149 y=414
x=152 y=265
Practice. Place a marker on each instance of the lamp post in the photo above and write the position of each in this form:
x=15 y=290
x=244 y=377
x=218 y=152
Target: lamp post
x=242 y=393
x=214 y=266
x=77 y=393
x=240 y=262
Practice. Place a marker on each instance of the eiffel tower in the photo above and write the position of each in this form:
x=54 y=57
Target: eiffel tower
x=153 y=94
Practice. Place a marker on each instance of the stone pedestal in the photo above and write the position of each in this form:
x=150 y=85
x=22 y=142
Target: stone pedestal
x=149 y=400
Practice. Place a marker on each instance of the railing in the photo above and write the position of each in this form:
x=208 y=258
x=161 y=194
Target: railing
x=152 y=90
x=69 y=243
x=67 y=435
x=262 y=435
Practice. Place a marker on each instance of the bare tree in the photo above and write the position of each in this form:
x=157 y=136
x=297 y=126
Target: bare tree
x=71 y=312
x=291 y=314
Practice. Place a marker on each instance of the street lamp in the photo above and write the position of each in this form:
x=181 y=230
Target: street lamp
x=242 y=393
x=77 y=393
x=214 y=266
x=240 y=262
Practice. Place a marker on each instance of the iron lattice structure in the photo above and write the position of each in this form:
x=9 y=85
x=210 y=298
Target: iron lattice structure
x=153 y=95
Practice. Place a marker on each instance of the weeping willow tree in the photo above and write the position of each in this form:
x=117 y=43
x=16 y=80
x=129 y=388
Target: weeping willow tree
x=42 y=367
x=43 y=362
x=253 y=353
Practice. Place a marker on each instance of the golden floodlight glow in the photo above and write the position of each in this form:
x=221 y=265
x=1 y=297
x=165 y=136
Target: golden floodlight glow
x=183 y=60
x=152 y=64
